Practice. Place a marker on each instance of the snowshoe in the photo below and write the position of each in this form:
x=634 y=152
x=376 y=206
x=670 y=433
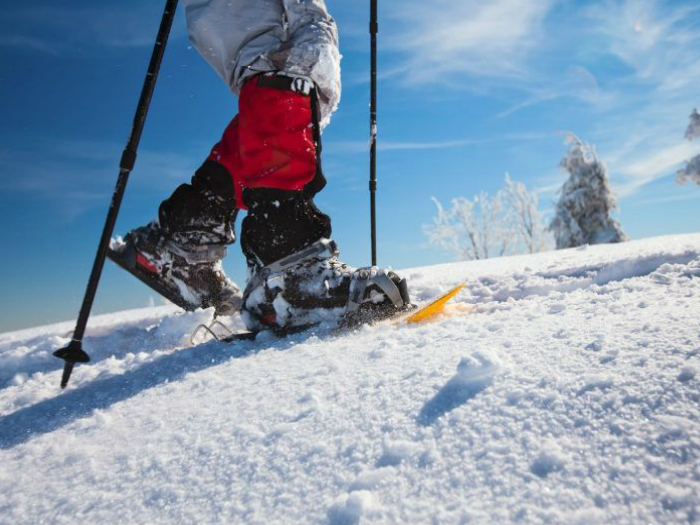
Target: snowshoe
x=312 y=287
x=190 y=275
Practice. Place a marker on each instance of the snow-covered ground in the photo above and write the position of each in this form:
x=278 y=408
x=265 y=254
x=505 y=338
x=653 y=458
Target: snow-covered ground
x=569 y=393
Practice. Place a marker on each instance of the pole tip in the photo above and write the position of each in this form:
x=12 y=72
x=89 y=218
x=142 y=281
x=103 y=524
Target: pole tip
x=71 y=354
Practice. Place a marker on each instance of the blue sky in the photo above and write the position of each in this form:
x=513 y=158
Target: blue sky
x=469 y=90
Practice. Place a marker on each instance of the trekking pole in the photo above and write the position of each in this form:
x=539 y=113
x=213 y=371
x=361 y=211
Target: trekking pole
x=373 y=30
x=74 y=352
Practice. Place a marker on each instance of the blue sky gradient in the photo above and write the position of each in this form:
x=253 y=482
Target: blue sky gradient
x=468 y=91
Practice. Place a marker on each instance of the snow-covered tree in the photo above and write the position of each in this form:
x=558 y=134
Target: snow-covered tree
x=525 y=216
x=586 y=200
x=486 y=226
x=471 y=229
x=693 y=130
x=691 y=171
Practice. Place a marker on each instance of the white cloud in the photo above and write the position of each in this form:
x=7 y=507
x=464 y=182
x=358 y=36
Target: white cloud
x=655 y=164
x=394 y=146
x=383 y=145
x=356 y=146
x=479 y=38
x=640 y=129
x=532 y=54
x=680 y=197
x=576 y=82
x=659 y=40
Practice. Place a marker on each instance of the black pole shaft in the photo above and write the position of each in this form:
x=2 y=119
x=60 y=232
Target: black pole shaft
x=74 y=352
x=373 y=30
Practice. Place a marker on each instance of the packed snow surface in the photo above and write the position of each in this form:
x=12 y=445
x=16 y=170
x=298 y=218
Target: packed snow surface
x=569 y=392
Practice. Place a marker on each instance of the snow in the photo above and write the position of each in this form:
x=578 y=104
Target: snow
x=567 y=393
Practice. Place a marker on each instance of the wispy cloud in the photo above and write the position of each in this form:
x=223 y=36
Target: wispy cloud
x=357 y=146
x=659 y=40
x=635 y=64
x=641 y=135
x=680 y=197
x=652 y=166
x=398 y=146
x=391 y=145
x=577 y=83
x=444 y=37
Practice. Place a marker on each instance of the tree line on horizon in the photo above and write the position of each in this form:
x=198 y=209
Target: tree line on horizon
x=510 y=222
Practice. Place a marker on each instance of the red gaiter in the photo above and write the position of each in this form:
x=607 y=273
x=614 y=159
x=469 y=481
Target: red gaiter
x=270 y=143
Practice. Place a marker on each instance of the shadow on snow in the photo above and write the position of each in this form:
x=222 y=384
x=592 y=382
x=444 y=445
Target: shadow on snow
x=454 y=394
x=54 y=413
x=145 y=336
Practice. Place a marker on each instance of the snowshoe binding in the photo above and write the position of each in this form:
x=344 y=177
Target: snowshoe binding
x=189 y=275
x=312 y=286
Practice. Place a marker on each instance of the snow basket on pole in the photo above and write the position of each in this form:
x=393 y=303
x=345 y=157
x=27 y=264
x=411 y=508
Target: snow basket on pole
x=74 y=352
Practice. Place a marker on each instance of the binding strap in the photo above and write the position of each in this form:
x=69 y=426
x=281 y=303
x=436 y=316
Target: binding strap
x=365 y=277
x=321 y=249
x=205 y=253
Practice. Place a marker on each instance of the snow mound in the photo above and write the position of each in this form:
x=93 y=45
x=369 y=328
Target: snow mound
x=566 y=393
x=474 y=374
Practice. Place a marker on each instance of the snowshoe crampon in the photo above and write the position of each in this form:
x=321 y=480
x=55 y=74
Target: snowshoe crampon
x=313 y=287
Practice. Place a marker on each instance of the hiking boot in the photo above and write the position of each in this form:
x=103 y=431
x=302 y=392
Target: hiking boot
x=187 y=273
x=312 y=286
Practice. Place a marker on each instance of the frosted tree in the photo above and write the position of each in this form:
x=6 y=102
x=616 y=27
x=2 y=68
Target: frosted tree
x=471 y=229
x=526 y=219
x=693 y=130
x=486 y=226
x=586 y=200
x=691 y=171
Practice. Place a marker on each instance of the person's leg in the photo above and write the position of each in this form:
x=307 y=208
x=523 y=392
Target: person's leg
x=180 y=255
x=202 y=212
x=280 y=169
x=296 y=276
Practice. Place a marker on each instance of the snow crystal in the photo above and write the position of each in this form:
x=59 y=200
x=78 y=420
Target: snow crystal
x=350 y=508
x=372 y=479
x=687 y=373
x=396 y=452
x=550 y=459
